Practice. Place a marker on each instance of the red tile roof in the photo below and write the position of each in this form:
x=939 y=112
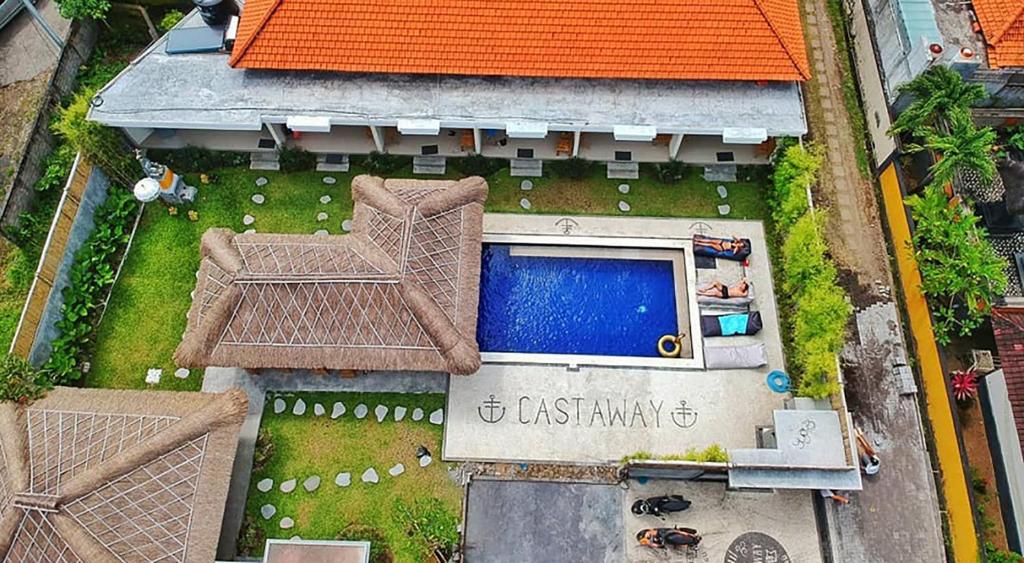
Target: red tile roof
x=1002 y=23
x=629 y=39
x=1008 y=326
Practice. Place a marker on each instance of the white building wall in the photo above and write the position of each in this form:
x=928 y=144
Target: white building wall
x=1009 y=447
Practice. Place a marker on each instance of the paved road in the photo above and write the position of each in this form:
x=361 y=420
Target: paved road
x=896 y=517
x=25 y=51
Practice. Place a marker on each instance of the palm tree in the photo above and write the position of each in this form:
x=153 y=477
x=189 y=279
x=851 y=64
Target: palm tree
x=959 y=146
x=935 y=93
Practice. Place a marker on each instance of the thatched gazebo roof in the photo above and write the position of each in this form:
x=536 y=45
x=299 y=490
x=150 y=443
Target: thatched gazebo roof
x=398 y=293
x=105 y=476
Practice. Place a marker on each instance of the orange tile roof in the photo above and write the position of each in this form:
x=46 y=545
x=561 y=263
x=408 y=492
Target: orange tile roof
x=629 y=39
x=1002 y=22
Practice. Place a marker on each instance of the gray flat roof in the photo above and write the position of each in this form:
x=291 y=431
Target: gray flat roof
x=200 y=91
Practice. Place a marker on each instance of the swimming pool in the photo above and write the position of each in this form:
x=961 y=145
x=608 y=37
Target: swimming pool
x=577 y=301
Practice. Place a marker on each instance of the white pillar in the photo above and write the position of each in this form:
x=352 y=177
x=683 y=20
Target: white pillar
x=378 y=138
x=576 y=143
x=277 y=132
x=478 y=141
x=673 y=146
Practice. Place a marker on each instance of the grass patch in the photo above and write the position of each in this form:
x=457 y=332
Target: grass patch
x=146 y=314
x=308 y=445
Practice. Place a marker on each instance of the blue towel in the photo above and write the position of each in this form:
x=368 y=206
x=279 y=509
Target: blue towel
x=733 y=324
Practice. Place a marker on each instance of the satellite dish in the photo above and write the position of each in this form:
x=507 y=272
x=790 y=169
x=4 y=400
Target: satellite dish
x=146 y=190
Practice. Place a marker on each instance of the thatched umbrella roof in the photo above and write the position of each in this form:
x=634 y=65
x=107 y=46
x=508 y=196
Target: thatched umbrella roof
x=93 y=475
x=398 y=293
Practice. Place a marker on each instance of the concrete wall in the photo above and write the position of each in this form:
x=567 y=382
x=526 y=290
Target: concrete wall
x=869 y=79
x=95 y=194
x=1006 y=455
x=21 y=194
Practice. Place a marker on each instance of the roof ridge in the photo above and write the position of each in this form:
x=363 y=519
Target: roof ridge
x=804 y=72
x=238 y=51
x=1009 y=23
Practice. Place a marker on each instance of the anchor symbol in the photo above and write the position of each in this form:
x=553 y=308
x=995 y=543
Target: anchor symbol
x=701 y=227
x=492 y=406
x=567 y=224
x=687 y=417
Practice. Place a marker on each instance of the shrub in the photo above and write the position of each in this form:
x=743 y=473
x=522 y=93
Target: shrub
x=670 y=172
x=170 y=19
x=637 y=456
x=380 y=550
x=91 y=276
x=961 y=273
x=380 y=163
x=995 y=555
x=574 y=168
x=429 y=522
x=264 y=450
x=796 y=171
x=477 y=165
x=295 y=159
x=56 y=168
x=804 y=255
x=20 y=382
x=84 y=9
x=714 y=453
x=100 y=145
x=251 y=538
x=198 y=159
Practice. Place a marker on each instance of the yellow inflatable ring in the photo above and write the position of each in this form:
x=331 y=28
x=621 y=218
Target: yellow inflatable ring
x=665 y=352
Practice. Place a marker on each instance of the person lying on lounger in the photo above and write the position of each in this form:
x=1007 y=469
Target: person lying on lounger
x=722 y=291
x=721 y=246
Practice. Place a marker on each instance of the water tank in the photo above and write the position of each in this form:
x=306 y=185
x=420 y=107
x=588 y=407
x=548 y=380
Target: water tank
x=214 y=12
x=147 y=190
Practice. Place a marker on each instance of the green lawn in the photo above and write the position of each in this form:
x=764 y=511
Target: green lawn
x=309 y=445
x=146 y=315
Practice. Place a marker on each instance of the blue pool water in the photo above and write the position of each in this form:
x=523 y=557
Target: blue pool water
x=561 y=305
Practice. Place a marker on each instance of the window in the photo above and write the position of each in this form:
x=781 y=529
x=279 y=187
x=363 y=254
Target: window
x=428 y=150
x=624 y=155
x=524 y=153
x=335 y=159
x=725 y=156
x=266 y=144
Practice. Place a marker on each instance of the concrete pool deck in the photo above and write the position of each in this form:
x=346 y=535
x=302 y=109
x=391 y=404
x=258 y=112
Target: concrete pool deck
x=553 y=411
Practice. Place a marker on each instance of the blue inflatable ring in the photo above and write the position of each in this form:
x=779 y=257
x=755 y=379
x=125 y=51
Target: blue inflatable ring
x=778 y=381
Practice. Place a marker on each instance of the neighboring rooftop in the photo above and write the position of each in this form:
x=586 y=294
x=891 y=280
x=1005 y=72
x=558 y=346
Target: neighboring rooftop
x=1008 y=326
x=638 y=39
x=1002 y=23
x=398 y=293
x=89 y=475
x=149 y=94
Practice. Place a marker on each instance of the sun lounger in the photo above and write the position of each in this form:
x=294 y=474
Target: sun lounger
x=732 y=304
x=701 y=250
x=731 y=325
x=733 y=357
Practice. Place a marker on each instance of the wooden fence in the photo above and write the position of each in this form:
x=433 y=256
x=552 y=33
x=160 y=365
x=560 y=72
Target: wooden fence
x=52 y=257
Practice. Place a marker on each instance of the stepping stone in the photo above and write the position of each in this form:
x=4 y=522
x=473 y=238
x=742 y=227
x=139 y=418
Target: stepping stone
x=321 y=216
x=526 y=185
x=370 y=476
x=287 y=523
x=325 y=199
x=346 y=225
x=400 y=413
x=417 y=414
x=722 y=191
x=525 y=203
x=330 y=180
x=265 y=485
x=319 y=409
x=624 y=207
x=397 y=470
x=381 y=411
x=321 y=232
x=361 y=411
x=295 y=538
x=300 y=408
x=261 y=181
x=623 y=188
x=288 y=486
x=249 y=231
x=338 y=410
x=724 y=209
x=425 y=460
x=311 y=484
x=153 y=375
x=181 y=373
x=258 y=199
x=248 y=220
x=279 y=406
x=267 y=511
x=437 y=417
x=343 y=479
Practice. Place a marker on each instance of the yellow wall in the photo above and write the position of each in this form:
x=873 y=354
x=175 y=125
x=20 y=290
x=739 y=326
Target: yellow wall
x=954 y=481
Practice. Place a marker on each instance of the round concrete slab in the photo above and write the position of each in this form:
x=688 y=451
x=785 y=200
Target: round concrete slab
x=300 y=408
x=319 y=409
x=279 y=406
x=724 y=209
x=287 y=523
x=258 y=199
x=380 y=412
x=330 y=180
x=623 y=188
x=249 y=231
x=261 y=181
x=321 y=232
x=265 y=485
x=182 y=373
x=397 y=470
x=321 y=216
x=526 y=185
x=400 y=413
x=425 y=460
x=338 y=410
x=311 y=483
x=525 y=203
x=288 y=486
x=437 y=417
x=361 y=411
x=343 y=479
x=417 y=414
x=624 y=207
x=325 y=199
x=267 y=511
x=248 y=220
x=722 y=191
x=370 y=476
x=346 y=225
